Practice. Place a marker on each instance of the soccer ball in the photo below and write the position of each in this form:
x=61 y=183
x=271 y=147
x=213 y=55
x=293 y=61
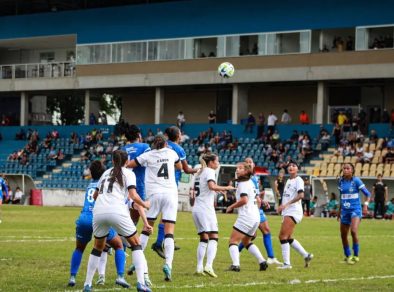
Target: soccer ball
x=226 y=70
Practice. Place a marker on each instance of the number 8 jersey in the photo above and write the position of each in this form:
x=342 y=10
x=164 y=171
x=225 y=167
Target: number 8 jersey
x=160 y=171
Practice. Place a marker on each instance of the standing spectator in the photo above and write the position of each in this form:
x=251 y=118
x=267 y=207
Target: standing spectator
x=250 y=123
x=385 y=116
x=271 y=122
x=341 y=118
x=212 y=117
x=337 y=133
x=286 y=118
x=17 y=196
x=304 y=118
x=260 y=126
x=380 y=194
x=180 y=120
x=307 y=197
x=92 y=119
x=362 y=117
x=375 y=115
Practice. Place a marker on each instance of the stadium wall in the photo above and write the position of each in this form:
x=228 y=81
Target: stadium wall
x=183 y=19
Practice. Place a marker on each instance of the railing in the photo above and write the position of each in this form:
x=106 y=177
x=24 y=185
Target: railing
x=40 y=70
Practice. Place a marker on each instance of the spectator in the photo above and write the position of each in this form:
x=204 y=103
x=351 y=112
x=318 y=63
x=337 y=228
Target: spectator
x=271 y=122
x=390 y=210
x=341 y=118
x=325 y=141
x=286 y=118
x=380 y=195
x=260 y=126
x=389 y=157
x=180 y=120
x=312 y=206
x=21 y=135
x=385 y=116
x=17 y=196
x=304 y=118
x=150 y=137
x=337 y=133
x=92 y=119
x=307 y=197
x=212 y=117
x=184 y=137
x=373 y=137
x=159 y=132
x=368 y=155
x=333 y=206
x=375 y=115
x=362 y=117
x=201 y=149
x=250 y=123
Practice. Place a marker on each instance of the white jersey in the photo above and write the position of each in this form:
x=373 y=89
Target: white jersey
x=250 y=209
x=160 y=171
x=204 y=196
x=111 y=196
x=292 y=187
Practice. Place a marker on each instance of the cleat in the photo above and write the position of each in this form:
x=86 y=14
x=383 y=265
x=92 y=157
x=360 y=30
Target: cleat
x=87 y=288
x=284 y=267
x=122 y=282
x=308 y=259
x=71 y=282
x=143 y=288
x=273 y=261
x=167 y=273
x=355 y=259
x=148 y=282
x=210 y=272
x=130 y=270
x=234 y=268
x=158 y=250
x=349 y=260
x=176 y=247
x=101 y=280
x=263 y=266
x=200 y=272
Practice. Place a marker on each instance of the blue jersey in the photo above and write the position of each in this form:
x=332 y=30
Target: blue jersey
x=349 y=191
x=182 y=156
x=3 y=188
x=89 y=200
x=134 y=150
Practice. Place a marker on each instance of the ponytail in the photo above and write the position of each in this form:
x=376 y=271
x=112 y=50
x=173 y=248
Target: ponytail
x=119 y=158
x=205 y=159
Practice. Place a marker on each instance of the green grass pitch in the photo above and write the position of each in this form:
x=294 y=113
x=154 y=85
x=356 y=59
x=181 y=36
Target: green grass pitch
x=36 y=245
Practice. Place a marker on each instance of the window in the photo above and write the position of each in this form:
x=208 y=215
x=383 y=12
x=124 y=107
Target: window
x=205 y=47
x=374 y=38
x=94 y=54
x=129 y=52
x=171 y=50
x=248 y=45
x=47 y=57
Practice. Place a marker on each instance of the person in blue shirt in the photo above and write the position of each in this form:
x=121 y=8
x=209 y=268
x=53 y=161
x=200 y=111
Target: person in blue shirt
x=174 y=136
x=3 y=189
x=135 y=148
x=263 y=226
x=350 y=212
x=84 y=230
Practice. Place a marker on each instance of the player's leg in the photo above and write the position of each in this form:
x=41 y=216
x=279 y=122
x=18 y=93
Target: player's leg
x=94 y=259
x=76 y=259
x=254 y=251
x=169 y=227
x=115 y=242
x=344 y=228
x=235 y=238
x=286 y=230
x=294 y=243
x=354 y=232
x=201 y=251
x=211 y=253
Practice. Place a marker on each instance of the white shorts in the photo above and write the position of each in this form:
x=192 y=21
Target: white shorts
x=295 y=217
x=246 y=226
x=166 y=204
x=205 y=222
x=122 y=223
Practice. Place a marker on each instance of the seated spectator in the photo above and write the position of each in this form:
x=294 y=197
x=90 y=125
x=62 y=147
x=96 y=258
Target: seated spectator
x=60 y=155
x=389 y=157
x=250 y=123
x=109 y=148
x=184 y=137
x=368 y=155
x=52 y=153
x=333 y=206
x=371 y=208
x=201 y=149
x=312 y=206
x=304 y=118
x=17 y=196
x=150 y=137
x=373 y=137
x=21 y=135
x=275 y=137
x=24 y=159
x=325 y=141
x=390 y=210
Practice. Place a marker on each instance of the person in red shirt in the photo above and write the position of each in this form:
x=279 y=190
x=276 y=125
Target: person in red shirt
x=304 y=118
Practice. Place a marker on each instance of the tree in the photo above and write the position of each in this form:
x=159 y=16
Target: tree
x=71 y=108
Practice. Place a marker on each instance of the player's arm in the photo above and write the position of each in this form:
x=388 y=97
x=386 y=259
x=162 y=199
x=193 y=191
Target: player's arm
x=137 y=199
x=187 y=169
x=5 y=188
x=214 y=187
x=95 y=194
x=242 y=201
x=178 y=165
x=300 y=196
x=132 y=163
x=141 y=211
x=367 y=194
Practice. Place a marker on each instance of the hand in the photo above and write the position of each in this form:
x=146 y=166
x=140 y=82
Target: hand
x=266 y=204
x=148 y=228
x=281 y=208
x=229 y=209
x=230 y=188
x=147 y=205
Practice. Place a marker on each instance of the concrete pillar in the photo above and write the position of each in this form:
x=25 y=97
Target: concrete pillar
x=87 y=106
x=321 y=104
x=159 y=105
x=24 y=109
x=240 y=103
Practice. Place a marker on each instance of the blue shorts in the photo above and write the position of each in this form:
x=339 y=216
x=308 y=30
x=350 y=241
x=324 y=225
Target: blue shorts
x=348 y=215
x=84 y=229
x=262 y=216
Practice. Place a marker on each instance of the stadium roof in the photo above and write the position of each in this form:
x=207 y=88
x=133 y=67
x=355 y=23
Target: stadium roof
x=20 y=7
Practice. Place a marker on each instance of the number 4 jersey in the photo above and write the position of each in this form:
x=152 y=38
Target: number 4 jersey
x=160 y=171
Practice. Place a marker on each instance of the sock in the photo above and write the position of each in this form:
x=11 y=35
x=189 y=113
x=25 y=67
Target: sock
x=356 y=248
x=298 y=247
x=144 y=240
x=160 y=235
x=346 y=251
x=241 y=247
x=93 y=263
x=268 y=245
x=75 y=262
x=139 y=263
x=285 y=251
x=211 y=252
x=254 y=251
x=234 y=254
x=201 y=249
x=169 y=249
x=146 y=270
x=102 y=263
x=120 y=259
